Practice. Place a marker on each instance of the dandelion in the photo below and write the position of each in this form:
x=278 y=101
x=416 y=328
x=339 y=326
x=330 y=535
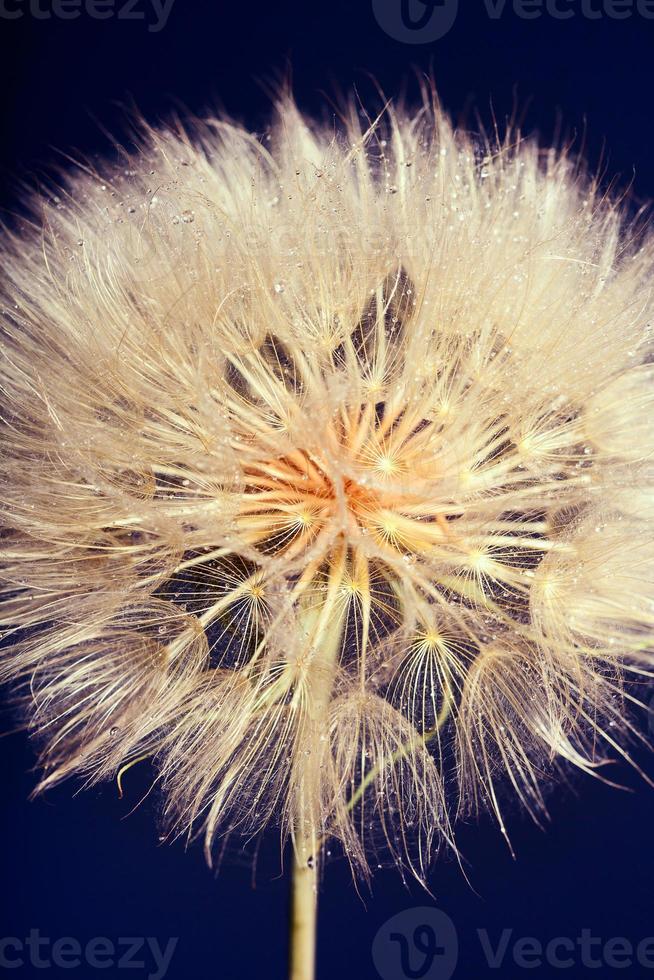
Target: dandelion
x=327 y=480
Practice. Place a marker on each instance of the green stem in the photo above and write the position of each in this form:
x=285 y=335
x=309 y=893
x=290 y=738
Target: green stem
x=403 y=751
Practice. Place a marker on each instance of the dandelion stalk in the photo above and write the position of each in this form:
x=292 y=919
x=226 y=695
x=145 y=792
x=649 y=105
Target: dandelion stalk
x=304 y=913
x=323 y=625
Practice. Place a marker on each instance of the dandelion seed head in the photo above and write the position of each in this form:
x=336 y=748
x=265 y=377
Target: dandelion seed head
x=327 y=480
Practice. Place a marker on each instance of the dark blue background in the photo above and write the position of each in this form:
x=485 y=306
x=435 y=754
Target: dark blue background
x=79 y=865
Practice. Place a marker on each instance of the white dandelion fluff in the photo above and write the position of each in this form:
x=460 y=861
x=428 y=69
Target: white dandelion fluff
x=327 y=478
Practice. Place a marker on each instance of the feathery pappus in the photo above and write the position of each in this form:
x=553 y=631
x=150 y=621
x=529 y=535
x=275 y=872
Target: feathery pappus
x=327 y=475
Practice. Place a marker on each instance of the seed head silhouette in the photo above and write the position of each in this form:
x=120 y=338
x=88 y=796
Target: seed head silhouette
x=327 y=477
